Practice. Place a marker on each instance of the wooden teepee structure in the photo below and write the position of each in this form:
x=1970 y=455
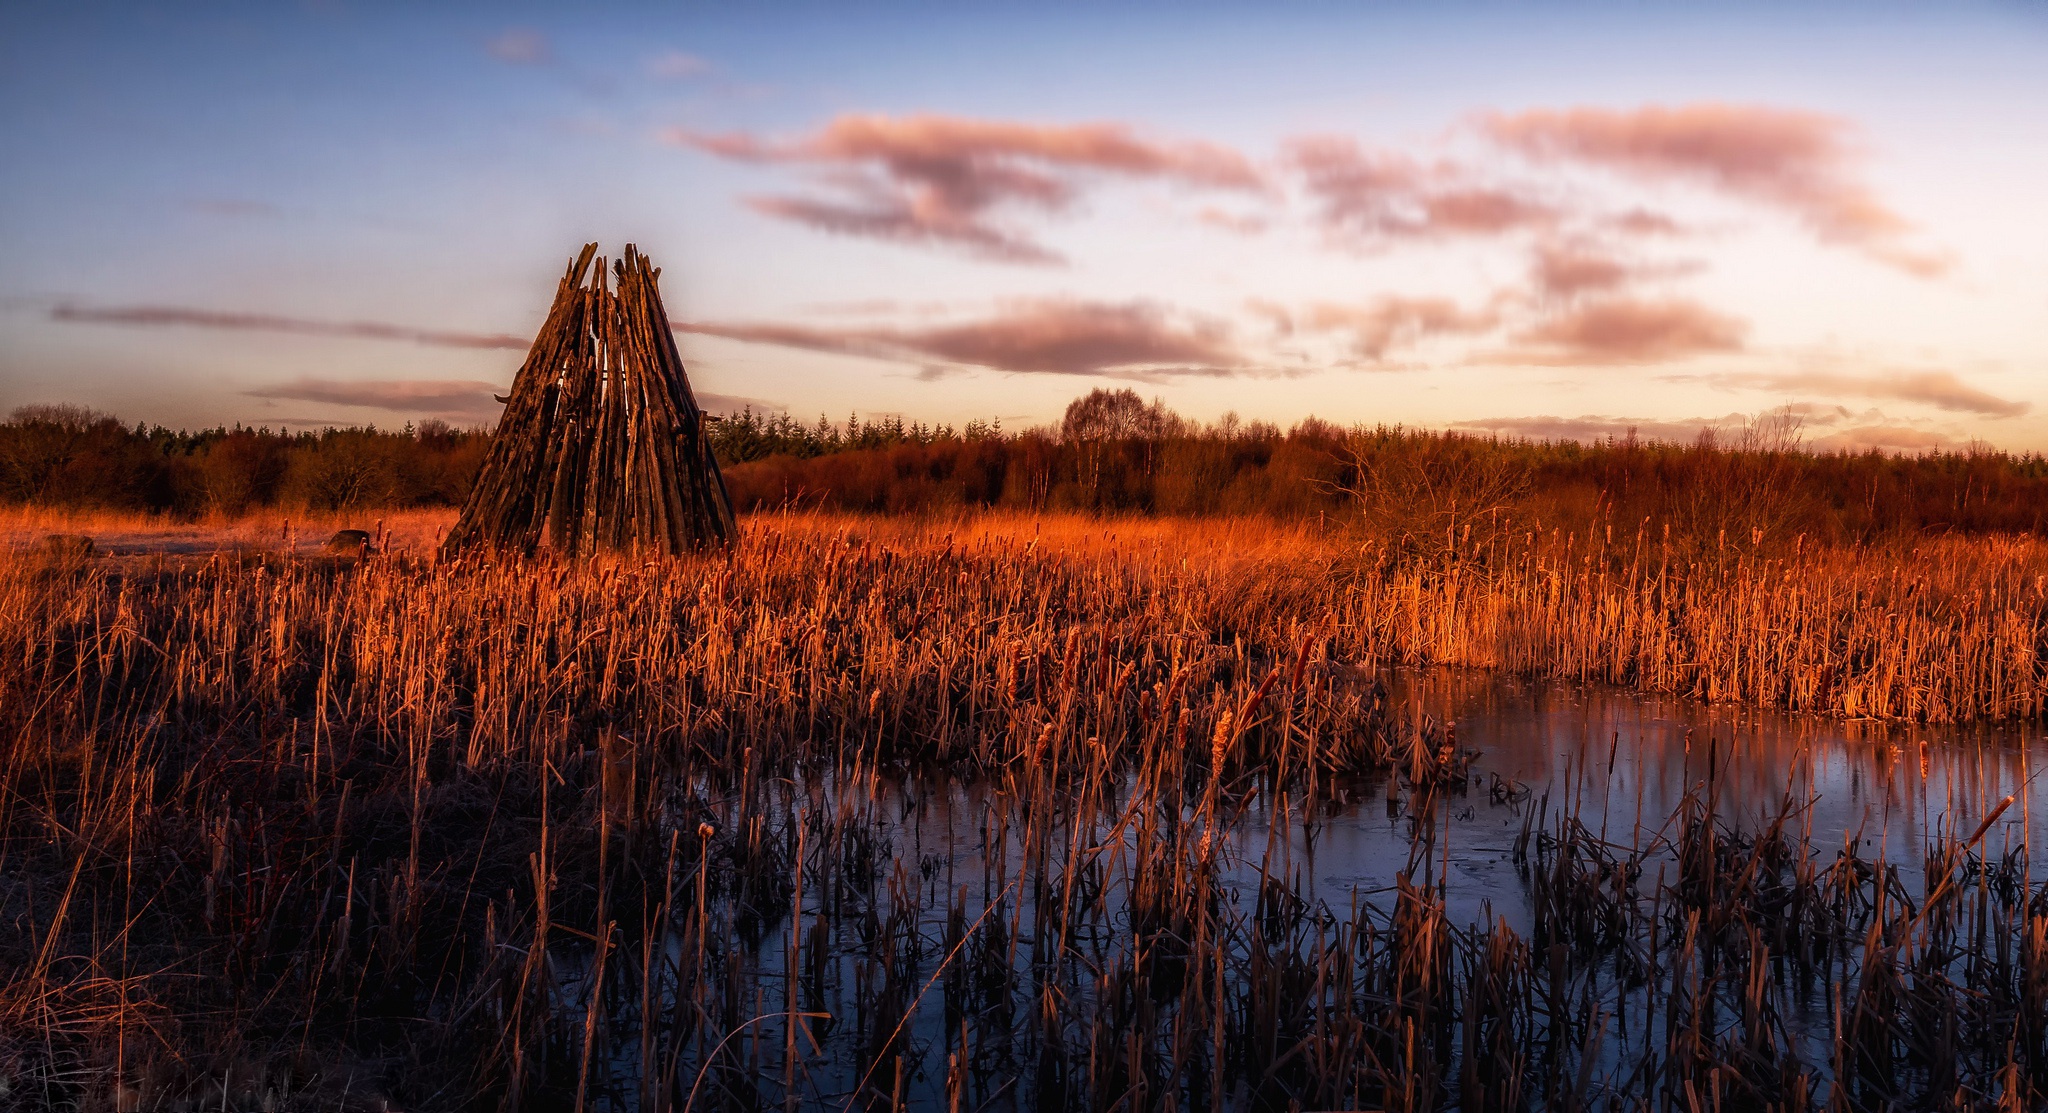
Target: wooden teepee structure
x=602 y=446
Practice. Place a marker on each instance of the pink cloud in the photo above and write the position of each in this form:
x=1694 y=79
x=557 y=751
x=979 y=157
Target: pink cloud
x=1037 y=337
x=1278 y=316
x=1567 y=270
x=1898 y=438
x=1942 y=390
x=1563 y=269
x=1364 y=196
x=437 y=397
x=1385 y=323
x=1244 y=224
x=1800 y=162
x=1599 y=427
x=944 y=179
x=521 y=46
x=1870 y=431
x=1644 y=222
x=1628 y=330
x=893 y=218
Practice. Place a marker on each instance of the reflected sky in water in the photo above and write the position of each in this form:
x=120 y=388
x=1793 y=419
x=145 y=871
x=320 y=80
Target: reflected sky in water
x=1624 y=760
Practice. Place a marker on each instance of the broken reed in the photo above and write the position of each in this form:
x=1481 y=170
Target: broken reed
x=503 y=835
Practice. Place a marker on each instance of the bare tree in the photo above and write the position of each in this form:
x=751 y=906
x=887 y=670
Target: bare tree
x=1748 y=493
x=1115 y=415
x=1101 y=423
x=1430 y=495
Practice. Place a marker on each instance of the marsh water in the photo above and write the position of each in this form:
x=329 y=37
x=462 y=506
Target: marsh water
x=937 y=917
x=1622 y=760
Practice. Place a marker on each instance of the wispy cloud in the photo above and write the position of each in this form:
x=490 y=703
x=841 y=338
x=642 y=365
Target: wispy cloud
x=169 y=316
x=467 y=398
x=676 y=65
x=946 y=180
x=1626 y=330
x=884 y=217
x=1365 y=196
x=1566 y=270
x=1597 y=427
x=1244 y=224
x=969 y=184
x=1942 y=390
x=1128 y=340
x=1383 y=324
x=439 y=397
x=1900 y=438
x=520 y=46
x=1838 y=429
x=1800 y=162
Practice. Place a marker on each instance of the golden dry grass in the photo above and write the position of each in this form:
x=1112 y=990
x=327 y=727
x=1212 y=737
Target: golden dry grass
x=126 y=532
x=1939 y=630
x=305 y=832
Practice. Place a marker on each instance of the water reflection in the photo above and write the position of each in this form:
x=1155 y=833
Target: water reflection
x=1623 y=760
x=1003 y=944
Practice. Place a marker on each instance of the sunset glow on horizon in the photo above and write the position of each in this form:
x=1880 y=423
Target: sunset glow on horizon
x=1560 y=223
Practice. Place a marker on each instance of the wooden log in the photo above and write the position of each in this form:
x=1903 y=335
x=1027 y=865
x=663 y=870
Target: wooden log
x=601 y=445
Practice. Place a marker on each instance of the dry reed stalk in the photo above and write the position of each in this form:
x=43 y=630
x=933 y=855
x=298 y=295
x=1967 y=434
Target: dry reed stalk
x=392 y=830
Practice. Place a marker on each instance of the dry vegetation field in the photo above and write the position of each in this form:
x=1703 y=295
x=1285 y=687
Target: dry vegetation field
x=976 y=812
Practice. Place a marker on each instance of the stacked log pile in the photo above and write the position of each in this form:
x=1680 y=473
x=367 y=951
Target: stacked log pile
x=602 y=446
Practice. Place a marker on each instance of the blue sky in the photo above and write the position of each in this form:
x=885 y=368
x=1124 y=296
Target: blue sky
x=1555 y=221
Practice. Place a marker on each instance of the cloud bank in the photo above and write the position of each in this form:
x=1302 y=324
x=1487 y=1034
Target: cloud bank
x=1383 y=324
x=1799 y=162
x=1942 y=390
x=1364 y=197
x=944 y=180
x=1627 y=330
x=1055 y=337
x=161 y=316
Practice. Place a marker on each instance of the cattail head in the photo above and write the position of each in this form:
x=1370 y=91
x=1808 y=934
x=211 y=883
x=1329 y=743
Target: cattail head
x=1219 y=743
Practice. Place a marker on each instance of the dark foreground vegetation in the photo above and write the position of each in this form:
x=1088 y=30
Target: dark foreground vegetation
x=860 y=819
x=1113 y=454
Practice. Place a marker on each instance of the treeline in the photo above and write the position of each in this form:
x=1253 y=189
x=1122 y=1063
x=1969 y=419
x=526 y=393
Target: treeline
x=72 y=457
x=748 y=436
x=1420 y=489
x=1113 y=453
x=75 y=457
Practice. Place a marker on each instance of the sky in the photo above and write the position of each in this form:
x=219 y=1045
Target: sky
x=1555 y=221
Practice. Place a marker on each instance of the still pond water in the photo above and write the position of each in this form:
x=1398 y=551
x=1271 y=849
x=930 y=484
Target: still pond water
x=1623 y=761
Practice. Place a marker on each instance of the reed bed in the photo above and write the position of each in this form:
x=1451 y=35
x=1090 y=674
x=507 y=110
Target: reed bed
x=1938 y=630
x=878 y=815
